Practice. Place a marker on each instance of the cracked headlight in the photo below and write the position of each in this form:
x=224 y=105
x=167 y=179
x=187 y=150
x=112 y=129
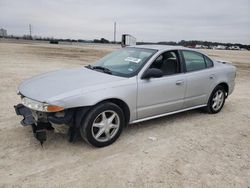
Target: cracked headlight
x=40 y=106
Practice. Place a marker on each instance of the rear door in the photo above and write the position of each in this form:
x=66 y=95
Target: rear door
x=199 y=76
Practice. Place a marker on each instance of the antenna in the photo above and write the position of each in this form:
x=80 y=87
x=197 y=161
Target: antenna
x=30 y=29
x=115 y=32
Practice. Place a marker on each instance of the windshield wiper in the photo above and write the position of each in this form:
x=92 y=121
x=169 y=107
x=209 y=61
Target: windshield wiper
x=104 y=69
x=89 y=67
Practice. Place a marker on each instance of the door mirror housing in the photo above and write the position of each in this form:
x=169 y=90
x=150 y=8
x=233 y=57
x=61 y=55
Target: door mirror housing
x=152 y=73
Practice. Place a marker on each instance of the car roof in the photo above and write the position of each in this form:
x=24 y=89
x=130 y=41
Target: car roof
x=160 y=47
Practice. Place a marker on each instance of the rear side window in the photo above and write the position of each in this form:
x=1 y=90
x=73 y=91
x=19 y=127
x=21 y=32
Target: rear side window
x=194 y=61
x=209 y=62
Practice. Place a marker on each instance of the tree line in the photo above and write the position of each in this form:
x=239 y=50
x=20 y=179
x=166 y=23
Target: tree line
x=188 y=43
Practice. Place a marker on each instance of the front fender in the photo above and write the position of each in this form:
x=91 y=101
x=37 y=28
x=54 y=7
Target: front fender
x=125 y=91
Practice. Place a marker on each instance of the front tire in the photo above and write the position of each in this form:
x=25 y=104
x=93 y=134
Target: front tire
x=103 y=124
x=216 y=100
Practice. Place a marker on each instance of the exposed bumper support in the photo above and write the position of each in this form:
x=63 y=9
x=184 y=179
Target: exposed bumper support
x=39 y=131
x=26 y=113
x=67 y=119
x=39 y=126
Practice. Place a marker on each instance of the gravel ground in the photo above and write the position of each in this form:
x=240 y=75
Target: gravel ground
x=190 y=149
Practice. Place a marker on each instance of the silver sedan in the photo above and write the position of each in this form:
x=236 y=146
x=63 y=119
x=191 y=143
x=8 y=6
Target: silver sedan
x=128 y=86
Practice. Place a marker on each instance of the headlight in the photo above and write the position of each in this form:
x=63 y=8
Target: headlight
x=39 y=106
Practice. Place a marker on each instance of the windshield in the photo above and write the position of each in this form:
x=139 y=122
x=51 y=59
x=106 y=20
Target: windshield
x=126 y=61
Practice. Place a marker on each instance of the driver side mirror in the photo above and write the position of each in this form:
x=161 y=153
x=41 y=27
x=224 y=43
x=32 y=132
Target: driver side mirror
x=152 y=73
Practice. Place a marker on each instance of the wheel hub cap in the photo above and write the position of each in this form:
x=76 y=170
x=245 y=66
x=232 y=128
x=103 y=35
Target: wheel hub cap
x=218 y=100
x=105 y=126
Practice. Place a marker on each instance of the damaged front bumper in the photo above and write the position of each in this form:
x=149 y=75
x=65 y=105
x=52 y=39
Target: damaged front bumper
x=41 y=121
x=26 y=113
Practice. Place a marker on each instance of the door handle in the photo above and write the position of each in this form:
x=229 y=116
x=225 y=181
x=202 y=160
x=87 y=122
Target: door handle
x=211 y=76
x=179 y=82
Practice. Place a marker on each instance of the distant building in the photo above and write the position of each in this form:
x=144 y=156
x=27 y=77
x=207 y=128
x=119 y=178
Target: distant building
x=220 y=47
x=201 y=46
x=3 y=32
x=243 y=49
x=198 y=46
x=128 y=40
x=234 y=48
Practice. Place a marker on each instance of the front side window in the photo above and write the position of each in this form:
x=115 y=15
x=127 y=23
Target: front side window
x=126 y=61
x=167 y=62
x=194 y=61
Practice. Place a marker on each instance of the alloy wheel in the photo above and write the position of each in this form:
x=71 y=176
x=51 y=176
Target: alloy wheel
x=105 y=126
x=218 y=99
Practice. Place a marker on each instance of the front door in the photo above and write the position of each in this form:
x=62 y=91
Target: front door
x=165 y=94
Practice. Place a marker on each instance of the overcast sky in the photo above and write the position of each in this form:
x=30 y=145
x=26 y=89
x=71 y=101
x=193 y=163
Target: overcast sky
x=147 y=20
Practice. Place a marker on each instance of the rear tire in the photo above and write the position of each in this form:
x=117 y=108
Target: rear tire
x=102 y=125
x=216 y=100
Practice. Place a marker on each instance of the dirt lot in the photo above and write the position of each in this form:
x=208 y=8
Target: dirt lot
x=192 y=149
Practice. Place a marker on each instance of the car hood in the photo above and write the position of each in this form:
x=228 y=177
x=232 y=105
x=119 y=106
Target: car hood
x=65 y=83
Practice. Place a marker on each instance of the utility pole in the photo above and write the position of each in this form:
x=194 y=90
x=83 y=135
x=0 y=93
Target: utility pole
x=115 y=32
x=30 y=29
